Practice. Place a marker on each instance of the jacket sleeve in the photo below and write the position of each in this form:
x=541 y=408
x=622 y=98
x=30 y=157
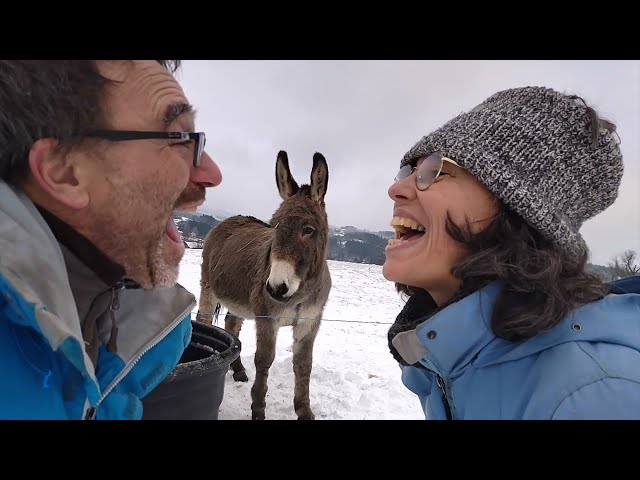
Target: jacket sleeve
x=605 y=399
x=30 y=378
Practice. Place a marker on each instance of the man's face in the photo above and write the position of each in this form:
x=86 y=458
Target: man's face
x=136 y=186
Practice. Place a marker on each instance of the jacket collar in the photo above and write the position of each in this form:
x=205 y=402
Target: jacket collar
x=85 y=251
x=452 y=338
x=32 y=263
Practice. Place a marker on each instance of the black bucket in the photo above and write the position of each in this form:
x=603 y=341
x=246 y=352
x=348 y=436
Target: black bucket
x=195 y=388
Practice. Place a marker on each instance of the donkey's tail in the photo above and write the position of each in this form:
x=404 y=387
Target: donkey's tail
x=216 y=312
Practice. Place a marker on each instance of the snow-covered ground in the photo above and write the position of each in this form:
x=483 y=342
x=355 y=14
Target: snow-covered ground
x=353 y=377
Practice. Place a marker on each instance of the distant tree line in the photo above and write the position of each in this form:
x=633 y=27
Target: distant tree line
x=357 y=247
x=624 y=264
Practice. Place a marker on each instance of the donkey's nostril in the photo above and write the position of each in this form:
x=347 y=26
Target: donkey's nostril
x=279 y=291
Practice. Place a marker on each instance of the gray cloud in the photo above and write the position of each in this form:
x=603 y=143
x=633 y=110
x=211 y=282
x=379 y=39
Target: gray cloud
x=364 y=115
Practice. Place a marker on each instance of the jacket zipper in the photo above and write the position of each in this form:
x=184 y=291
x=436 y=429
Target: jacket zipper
x=115 y=305
x=441 y=385
x=92 y=411
x=443 y=390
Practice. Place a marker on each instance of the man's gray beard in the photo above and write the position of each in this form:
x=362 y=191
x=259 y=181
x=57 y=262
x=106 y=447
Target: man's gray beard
x=164 y=273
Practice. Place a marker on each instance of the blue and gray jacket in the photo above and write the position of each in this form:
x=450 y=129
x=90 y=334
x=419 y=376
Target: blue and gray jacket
x=74 y=345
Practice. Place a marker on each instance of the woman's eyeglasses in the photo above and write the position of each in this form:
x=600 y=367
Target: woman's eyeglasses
x=428 y=168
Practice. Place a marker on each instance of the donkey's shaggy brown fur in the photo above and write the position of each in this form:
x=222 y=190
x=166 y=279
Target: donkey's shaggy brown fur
x=278 y=270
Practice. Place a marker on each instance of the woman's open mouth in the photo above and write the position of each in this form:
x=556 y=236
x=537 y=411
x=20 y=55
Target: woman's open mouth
x=407 y=230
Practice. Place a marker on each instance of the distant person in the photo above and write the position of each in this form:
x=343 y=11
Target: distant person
x=502 y=320
x=95 y=158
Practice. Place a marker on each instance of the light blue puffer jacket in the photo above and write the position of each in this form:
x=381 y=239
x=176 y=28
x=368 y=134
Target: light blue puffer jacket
x=587 y=367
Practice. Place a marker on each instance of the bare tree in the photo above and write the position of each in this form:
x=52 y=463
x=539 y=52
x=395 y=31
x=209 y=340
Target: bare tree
x=625 y=264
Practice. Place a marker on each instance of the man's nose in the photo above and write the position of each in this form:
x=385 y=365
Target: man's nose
x=207 y=174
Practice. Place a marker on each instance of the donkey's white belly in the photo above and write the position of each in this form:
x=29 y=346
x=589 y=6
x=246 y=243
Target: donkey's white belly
x=236 y=309
x=284 y=318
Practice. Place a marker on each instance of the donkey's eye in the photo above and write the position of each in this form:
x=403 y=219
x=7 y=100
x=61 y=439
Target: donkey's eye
x=308 y=230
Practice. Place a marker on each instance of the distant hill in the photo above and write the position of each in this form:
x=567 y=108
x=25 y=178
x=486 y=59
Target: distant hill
x=194 y=227
x=354 y=245
x=605 y=273
x=348 y=244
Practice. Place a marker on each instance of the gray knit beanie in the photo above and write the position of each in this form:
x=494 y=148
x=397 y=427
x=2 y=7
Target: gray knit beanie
x=533 y=147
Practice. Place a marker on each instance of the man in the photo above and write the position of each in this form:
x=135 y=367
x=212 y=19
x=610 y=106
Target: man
x=91 y=317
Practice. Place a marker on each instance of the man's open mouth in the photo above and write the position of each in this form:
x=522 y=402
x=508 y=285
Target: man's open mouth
x=172 y=230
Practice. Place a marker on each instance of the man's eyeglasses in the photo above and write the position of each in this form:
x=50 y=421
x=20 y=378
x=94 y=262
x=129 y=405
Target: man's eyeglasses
x=199 y=138
x=429 y=168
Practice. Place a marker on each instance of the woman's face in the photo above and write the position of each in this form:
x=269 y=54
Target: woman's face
x=422 y=254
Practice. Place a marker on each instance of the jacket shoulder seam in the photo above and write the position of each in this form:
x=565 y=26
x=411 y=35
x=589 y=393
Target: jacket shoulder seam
x=579 y=344
x=608 y=377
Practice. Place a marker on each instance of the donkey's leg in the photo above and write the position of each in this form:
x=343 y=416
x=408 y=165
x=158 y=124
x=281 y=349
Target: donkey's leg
x=304 y=336
x=266 y=334
x=206 y=305
x=233 y=324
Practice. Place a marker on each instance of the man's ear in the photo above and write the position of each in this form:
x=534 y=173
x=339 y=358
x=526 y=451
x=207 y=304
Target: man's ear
x=57 y=174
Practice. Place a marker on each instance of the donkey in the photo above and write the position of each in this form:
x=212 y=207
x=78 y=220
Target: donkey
x=276 y=273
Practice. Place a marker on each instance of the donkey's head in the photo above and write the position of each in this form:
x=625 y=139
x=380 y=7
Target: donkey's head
x=299 y=247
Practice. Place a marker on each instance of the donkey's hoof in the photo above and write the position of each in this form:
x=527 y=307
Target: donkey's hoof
x=306 y=415
x=257 y=416
x=203 y=318
x=240 y=377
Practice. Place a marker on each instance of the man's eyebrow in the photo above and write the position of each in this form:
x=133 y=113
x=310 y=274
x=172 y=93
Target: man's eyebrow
x=174 y=110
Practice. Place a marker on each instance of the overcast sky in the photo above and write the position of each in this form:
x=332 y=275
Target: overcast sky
x=364 y=115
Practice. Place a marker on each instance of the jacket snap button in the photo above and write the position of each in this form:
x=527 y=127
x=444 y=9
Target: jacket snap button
x=431 y=335
x=576 y=327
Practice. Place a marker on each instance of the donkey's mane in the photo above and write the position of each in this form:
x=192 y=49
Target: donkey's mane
x=256 y=220
x=304 y=190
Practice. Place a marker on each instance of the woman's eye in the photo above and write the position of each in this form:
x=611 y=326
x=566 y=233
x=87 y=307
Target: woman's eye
x=187 y=144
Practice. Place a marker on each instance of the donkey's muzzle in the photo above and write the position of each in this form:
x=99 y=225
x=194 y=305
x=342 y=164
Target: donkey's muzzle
x=278 y=293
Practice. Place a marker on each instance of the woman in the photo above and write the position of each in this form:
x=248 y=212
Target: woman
x=502 y=320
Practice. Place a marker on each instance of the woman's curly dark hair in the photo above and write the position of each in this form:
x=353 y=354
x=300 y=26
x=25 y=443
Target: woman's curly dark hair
x=543 y=283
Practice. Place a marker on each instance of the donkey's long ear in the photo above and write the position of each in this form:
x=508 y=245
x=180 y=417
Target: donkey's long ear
x=287 y=186
x=319 y=178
